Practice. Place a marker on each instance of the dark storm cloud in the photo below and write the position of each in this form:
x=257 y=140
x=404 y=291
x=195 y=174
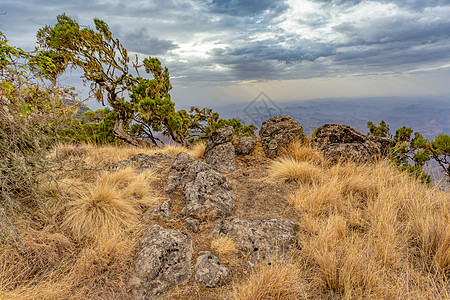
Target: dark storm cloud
x=141 y=41
x=228 y=40
x=247 y=7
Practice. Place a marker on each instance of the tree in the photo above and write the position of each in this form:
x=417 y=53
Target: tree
x=142 y=106
x=382 y=130
x=103 y=60
x=410 y=151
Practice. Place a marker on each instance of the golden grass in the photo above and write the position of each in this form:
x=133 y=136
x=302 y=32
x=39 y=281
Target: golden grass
x=110 y=205
x=302 y=151
x=371 y=232
x=277 y=279
x=223 y=245
x=197 y=150
x=287 y=169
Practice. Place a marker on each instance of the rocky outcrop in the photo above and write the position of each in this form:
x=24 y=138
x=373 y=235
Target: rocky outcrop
x=384 y=144
x=162 y=262
x=245 y=145
x=143 y=161
x=219 y=151
x=207 y=193
x=162 y=211
x=341 y=142
x=209 y=272
x=260 y=238
x=277 y=133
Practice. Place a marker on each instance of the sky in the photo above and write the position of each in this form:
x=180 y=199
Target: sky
x=229 y=51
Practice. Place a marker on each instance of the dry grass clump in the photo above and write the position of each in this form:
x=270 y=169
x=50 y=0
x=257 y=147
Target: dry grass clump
x=289 y=169
x=371 y=232
x=110 y=263
x=197 y=150
x=277 y=279
x=302 y=151
x=109 y=205
x=223 y=245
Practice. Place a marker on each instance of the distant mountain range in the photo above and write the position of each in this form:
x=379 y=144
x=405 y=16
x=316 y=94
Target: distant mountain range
x=429 y=116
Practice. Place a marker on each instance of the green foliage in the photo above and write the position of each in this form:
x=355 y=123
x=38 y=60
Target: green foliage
x=382 y=130
x=95 y=127
x=104 y=62
x=408 y=152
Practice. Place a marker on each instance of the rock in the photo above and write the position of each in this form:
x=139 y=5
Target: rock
x=192 y=224
x=209 y=272
x=384 y=144
x=341 y=142
x=245 y=145
x=207 y=193
x=260 y=238
x=161 y=211
x=277 y=133
x=219 y=151
x=142 y=161
x=162 y=262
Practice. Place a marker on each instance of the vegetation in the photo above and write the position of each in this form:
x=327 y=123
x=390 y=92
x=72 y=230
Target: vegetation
x=70 y=223
x=410 y=151
x=142 y=106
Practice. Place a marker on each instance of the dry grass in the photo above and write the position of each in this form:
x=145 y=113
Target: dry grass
x=86 y=251
x=198 y=150
x=276 y=279
x=223 y=245
x=287 y=169
x=371 y=232
x=367 y=232
x=110 y=205
x=302 y=151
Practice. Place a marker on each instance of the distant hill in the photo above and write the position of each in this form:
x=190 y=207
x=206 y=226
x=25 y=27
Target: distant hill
x=429 y=116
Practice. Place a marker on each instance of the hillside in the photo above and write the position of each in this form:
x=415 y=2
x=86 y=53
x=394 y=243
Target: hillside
x=357 y=230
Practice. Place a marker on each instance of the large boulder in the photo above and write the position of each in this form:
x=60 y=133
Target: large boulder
x=260 y=238
x=277 y=133
x=245 y=145
x=207 y=193
x=209 y=272
x=162 y=262
x=341 y=142
x=219 y=152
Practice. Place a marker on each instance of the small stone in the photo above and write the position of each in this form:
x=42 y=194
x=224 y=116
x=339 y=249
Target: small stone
x=192 y=224
x=209 y=272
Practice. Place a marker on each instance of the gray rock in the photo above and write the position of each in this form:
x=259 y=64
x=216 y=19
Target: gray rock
x=277 y=133
x=341 y=142
x=384 y=144
x=143 y=161
x=192 y=224
x=209 y=272
x=207 y=193
x=260 y=238
x=219 y=151
x=162 y=262
x=162 y=211
x=245 y=145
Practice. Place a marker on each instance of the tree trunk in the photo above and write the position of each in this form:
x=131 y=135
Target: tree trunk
x=123 y=135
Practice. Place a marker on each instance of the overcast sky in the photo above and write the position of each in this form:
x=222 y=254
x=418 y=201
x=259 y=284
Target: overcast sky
x=294 y=49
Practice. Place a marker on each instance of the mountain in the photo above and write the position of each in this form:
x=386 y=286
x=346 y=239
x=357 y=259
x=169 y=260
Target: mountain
x=429 y=116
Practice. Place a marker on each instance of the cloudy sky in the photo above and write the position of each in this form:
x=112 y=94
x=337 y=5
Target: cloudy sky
x=231 y=50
